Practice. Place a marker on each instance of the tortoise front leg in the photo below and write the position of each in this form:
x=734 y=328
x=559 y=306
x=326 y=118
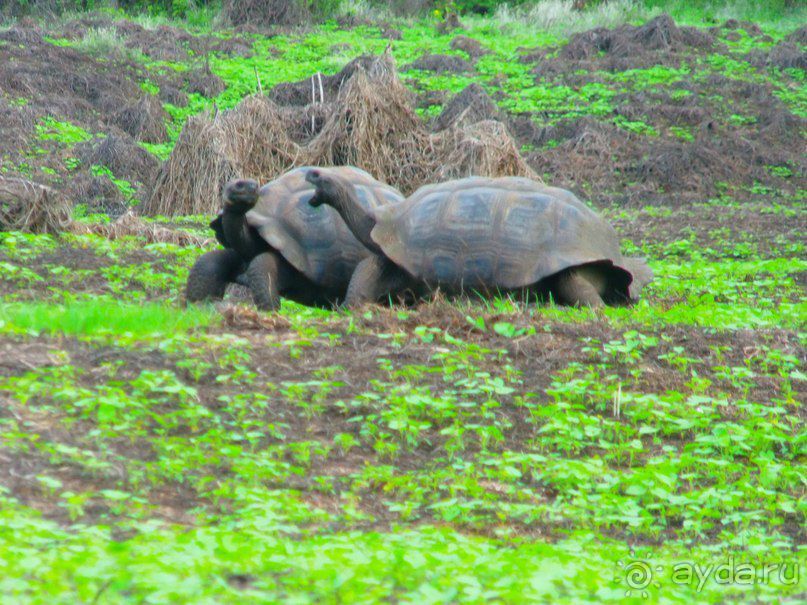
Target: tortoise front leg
x=573 y=288
x=210 y=274
x=264 y=276
x=375 y=277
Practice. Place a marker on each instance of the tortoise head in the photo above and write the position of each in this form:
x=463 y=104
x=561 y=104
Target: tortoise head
x=240 y=195
x=329 y=187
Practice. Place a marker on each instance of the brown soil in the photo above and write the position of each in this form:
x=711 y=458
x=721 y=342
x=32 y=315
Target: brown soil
x=440 y=64
x=472 y=47
x=715 y=228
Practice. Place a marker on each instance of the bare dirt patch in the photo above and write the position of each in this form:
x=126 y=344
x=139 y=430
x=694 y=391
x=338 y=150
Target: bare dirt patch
x=440 y=64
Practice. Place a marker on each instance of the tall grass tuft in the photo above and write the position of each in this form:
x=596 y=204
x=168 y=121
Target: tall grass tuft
x=105 y=42
x=559 y=16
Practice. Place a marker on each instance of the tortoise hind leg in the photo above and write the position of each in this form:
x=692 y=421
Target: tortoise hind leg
x=266 y=279
x=374 y=278
x=210 y=274
x=575 y=289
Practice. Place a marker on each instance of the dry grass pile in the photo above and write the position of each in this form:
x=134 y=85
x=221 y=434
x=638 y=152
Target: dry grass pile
x=319 y=88
x=31 y=207
x=798 y=37
x=97 y=192
x=122 y=155
x=367 y=119
x=659 y=41
x=374 y=126
x=590 y=152
x=143 y=119
x=129 y=225
x=249 y=140
x=204 y=82
x=470 y=105
x=484 y=148
x=785 y=55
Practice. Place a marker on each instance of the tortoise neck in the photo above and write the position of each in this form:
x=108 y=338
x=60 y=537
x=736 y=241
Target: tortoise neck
x=360 y=220
x=240 y=237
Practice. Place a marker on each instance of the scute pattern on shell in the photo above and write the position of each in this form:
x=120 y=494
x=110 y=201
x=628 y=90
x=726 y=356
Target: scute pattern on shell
x=505 y=232
x=315 y=241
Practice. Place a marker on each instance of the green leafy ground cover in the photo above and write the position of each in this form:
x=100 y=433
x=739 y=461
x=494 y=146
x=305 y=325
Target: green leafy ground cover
x=463 y=451
x=456 y=452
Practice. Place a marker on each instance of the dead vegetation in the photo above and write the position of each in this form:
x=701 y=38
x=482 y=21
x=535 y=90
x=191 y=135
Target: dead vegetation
x=371 y=123
x=440 y=64
x=472 y=47
x=470 y=105
x=32 y=207
x=672 y=143
x=363 y=115
x=122 y=155
x=143 y=119
x=61 y=81
x=97 y=192
x=249 y=140
x=128 y=225
x=266 y=13
x=35 y=208
x=627 y=42
x=785 y=55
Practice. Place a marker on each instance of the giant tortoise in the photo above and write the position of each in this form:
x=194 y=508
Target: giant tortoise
x=483 y=235
x=278 y=245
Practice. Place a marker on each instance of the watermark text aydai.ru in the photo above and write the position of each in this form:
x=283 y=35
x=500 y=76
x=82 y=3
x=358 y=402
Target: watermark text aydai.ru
x=732 y=572
x=640 y=575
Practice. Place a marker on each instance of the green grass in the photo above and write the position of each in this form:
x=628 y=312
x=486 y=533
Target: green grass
x=51 y=129
x=774 y=14
x=429 y=565
x=88 y=318
x=191 y=463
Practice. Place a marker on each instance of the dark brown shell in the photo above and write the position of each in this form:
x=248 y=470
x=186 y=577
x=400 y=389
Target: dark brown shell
x=504 y=233
x=315 y=241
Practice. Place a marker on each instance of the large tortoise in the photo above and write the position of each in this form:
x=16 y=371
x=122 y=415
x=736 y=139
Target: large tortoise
x=484 y=235
x=278 y=245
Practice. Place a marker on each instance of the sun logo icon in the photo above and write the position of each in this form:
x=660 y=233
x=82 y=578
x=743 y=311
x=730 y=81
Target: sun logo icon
x=638 y=573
